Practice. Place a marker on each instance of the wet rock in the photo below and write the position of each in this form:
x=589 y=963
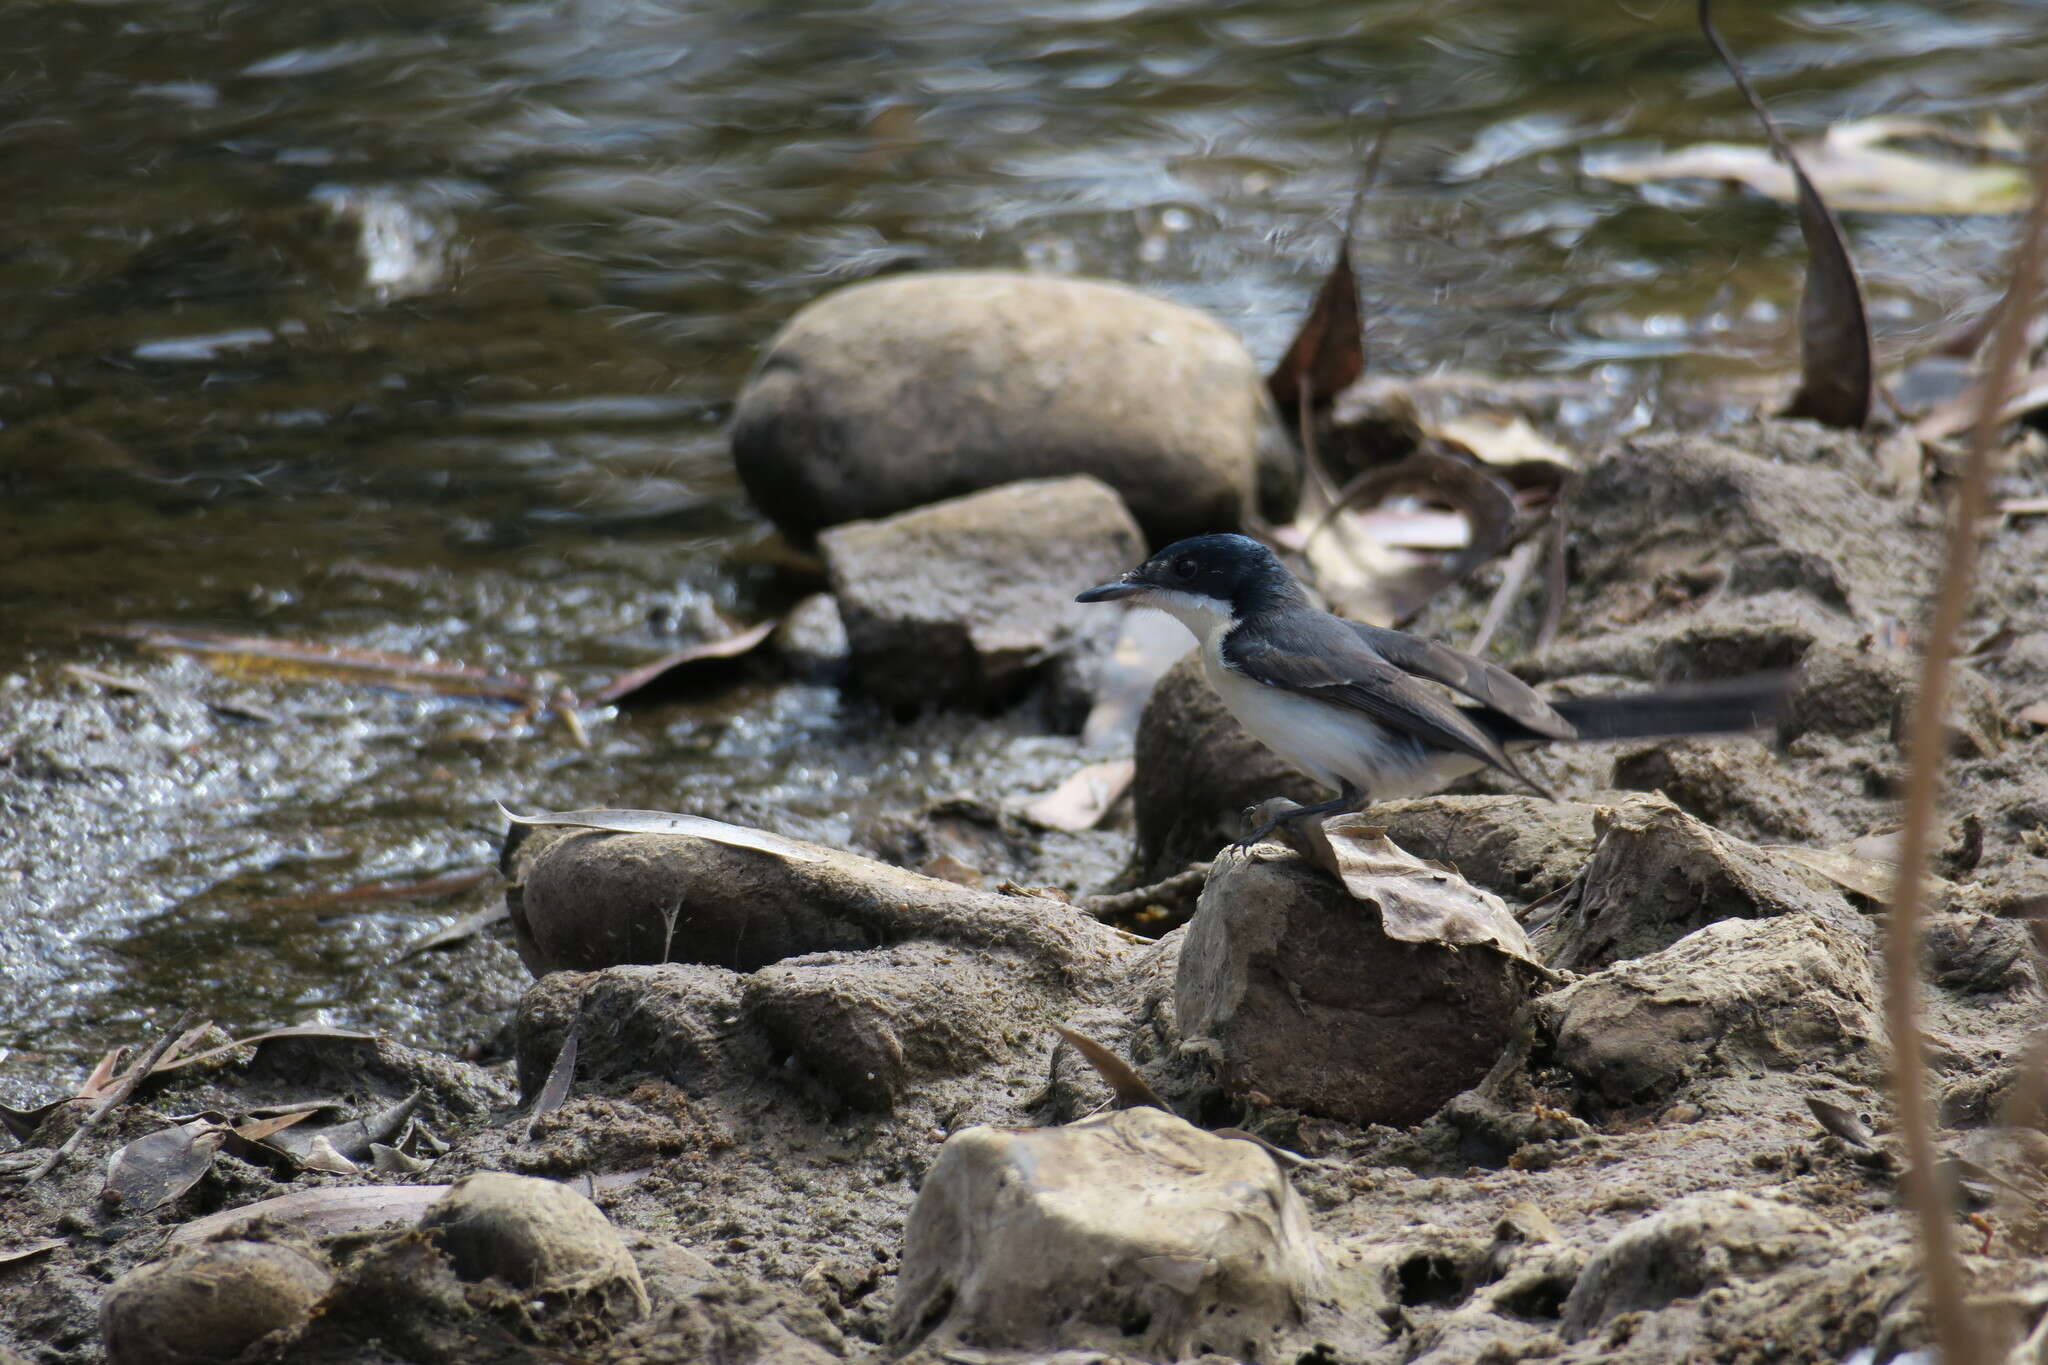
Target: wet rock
x=1738 y=996
x=672 y=1021
x=539 y=1239
x=1977 y=954
x=1133 y=1232
x=812 y=640
x=900 y=392
x=964 y=600
x=1666 y=507
x=1847 y=689
x=1682 y=1251
x=865 y=1026
x=1198 y=772
x=1290 y=987
x=210 y=1303
x=1516 y=846
x=1738 y=786
x=600 y=899
x=1656 y=874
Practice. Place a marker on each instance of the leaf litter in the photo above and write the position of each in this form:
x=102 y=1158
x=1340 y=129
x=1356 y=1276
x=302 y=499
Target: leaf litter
x=1834 y=328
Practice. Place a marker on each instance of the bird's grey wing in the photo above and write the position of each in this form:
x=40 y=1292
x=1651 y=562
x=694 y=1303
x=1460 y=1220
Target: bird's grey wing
x=1317 y=656
x=1483 y=682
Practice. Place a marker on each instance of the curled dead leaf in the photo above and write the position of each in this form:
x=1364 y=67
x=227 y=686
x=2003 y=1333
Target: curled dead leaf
x=1418 y=901
x=670 y=822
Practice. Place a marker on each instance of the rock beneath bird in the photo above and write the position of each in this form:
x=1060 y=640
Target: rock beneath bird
x=1198 y=771
x=537 y=1239
x=1705 y=1242
x=1738 y=996
x=964 y=601
x=1133 y=1232
x=899 y=392
x=209 y=1304
x=1292 y=987
x=1656 y=874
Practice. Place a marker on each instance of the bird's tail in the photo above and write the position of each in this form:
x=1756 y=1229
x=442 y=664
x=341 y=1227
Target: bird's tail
x=1713 y=708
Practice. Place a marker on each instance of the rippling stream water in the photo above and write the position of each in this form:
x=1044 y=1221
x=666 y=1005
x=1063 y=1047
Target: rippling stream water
x=414 y=326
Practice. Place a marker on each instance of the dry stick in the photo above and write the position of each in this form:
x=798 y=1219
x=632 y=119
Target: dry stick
x=123 y=1088
x=1953 y=1329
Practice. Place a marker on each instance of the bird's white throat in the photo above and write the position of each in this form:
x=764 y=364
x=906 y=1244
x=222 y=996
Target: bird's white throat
x=1206 y=616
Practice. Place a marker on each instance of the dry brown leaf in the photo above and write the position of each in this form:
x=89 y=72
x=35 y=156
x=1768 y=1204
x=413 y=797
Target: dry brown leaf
x=1086 y=796
x=1419 y=902
x=663 y=674
x=1124 y=1081
x=157 y=1168
x=670 y=822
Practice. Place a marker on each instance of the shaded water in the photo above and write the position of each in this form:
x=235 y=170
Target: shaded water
x=414 y=326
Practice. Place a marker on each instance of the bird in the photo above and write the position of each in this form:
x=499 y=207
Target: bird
x=1351 y=704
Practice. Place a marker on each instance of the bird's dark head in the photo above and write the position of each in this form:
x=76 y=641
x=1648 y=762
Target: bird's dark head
x=1205 y=578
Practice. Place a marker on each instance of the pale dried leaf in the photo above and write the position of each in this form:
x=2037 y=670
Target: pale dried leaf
x=1086 y=796
x=1872 y=878
x=320 y=1155
x=1500 y=438
x=1124 y=1081
x=324 y=1212
x=669 y=822
x=157 y=1168
x=386 y=1160
x=554 y=1092
x=1854 y=176
x=2033 y=713
x=1419 y=902
x=35 y=1248
x=1843 y=1123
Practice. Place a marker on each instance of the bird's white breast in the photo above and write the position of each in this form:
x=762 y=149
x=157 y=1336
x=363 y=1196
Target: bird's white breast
x=1333 y=744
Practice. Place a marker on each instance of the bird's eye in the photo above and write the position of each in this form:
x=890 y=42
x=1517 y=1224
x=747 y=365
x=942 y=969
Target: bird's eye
x=1184 y=567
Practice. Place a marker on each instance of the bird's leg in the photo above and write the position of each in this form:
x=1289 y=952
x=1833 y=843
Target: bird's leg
x=1348 y=798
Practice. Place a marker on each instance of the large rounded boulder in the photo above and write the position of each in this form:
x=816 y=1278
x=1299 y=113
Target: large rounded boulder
x=900 y=392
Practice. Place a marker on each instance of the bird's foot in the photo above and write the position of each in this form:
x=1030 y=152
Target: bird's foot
x=1348 y=799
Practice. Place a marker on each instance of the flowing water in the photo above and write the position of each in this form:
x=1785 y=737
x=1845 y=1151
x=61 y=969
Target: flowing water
x=414 y=327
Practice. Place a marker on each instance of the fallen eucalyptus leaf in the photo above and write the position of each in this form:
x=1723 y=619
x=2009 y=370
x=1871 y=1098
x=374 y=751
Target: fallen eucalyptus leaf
x=1843 y=1123
x=293 y=1031
x=1834 y=329
x=1500 y=439
x=1871 y=878
x=669 y=822
x=1419 y=902
x=460 y=931
x=1855 y=171
x=157 y=1168
x=326 y=1211
x=1125 y=1083
x=37 y=1248
x=251 y=657
x=554 y=1092
x=1361 y=585
x=649 y=679
x=387 y=1160
x=1087 y=795
x=320 y=1155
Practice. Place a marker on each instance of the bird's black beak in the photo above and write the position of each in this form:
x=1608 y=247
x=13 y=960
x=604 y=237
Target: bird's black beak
x=1127 y=586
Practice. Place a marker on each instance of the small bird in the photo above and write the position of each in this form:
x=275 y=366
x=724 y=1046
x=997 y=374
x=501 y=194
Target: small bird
x=1350 y=705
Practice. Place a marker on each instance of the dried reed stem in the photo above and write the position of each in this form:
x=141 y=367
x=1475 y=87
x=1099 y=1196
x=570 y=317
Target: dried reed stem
x=1954 y=1331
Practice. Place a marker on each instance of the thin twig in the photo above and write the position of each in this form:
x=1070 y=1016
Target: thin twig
x=1169 y=891
x=1953 y=1328
x=123 y=1088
